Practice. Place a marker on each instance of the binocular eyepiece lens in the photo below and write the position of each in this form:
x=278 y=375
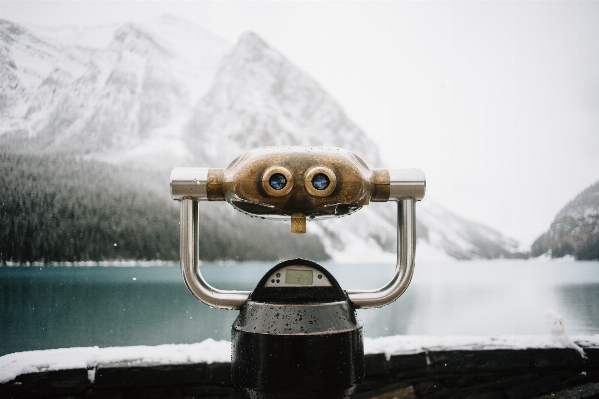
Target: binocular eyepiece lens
x=277 y=181
x=320 y=181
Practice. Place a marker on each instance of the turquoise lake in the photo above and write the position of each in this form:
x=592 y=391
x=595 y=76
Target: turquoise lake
x=44 y=307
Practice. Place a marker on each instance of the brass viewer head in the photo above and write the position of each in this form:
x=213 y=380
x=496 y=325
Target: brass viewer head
x=297 y=182
x=293 y=183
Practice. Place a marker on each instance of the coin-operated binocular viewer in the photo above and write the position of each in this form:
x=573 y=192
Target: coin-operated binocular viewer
x=297 y=335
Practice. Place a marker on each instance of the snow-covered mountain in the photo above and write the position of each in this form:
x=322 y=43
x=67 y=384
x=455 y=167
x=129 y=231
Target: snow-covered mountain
x=119 y=92
x=167 y=93
x=575 y=229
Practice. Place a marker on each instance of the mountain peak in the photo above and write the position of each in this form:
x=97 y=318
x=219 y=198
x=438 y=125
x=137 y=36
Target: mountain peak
x=251 y=39
x=251 y=48
x=261 y=98
x=135 y=39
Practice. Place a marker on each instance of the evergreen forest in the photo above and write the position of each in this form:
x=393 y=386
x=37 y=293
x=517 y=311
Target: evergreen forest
x=64 y=209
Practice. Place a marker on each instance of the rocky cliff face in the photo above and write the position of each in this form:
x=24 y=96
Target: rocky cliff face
x=166 y=93
x=575 y=229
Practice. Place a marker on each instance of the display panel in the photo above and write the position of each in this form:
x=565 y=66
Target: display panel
x=303 y=277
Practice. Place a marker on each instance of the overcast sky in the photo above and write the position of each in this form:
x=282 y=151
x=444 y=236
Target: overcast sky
x=498 y=102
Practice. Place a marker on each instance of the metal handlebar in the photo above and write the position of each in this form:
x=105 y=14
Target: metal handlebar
x=190 y=265
x=406 y=251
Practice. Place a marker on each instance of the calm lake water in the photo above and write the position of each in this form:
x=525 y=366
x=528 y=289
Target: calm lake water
x=59 y=306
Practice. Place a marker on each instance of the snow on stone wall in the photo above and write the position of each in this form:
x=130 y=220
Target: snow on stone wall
x=210 y=351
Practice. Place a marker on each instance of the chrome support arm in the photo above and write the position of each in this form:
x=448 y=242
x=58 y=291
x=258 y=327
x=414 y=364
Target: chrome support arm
x=190 y=267
x=406 y=249
x=189 y=185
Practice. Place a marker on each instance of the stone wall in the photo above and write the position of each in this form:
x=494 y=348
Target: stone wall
x=480 y=374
